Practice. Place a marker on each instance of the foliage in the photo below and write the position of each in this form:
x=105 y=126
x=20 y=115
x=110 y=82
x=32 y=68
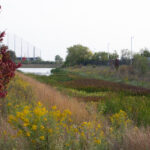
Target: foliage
x=78 y=54
x=12 y=55
x=111 y=97
x=136 y=107
x=100 y=58
x=7 y=67
x=145 y=52
x=58 y=59
x=113 y=56
x=120 y=120
x=53 y=129
x=125 y=56
x=140 y=63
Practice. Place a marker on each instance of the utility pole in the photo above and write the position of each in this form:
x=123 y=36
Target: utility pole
x=131 y=48
x=8 y=40
x=40 y=54
x=28 y=51
x=108 y=45
x=21 y=48
x=34 y=52
x=14 y=43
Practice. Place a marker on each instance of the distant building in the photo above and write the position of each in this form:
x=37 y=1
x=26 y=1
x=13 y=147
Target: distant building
x=28 y=58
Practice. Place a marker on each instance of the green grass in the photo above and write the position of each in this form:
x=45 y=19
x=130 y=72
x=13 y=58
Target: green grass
x=137 y=106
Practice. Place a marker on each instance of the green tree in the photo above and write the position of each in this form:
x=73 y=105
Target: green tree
x=125 y=56
x=104 y=56
x=100 y=56
x=96 y=57
x=145 y=52
x=58 y=59
x=113 y=55
x=78 y=54
x=12 y=55
x=140 y=63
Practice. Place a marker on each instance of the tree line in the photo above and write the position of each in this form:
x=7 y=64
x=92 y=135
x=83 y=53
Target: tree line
x=82 y=55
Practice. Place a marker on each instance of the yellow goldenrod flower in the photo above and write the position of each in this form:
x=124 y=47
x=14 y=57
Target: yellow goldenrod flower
x=9 y=104
x=28 y=134
x=34 y=127
x=42 y=137
x=98 y=126
x=50 y=130
x=97 y=141
x=42 y=127
x=45 y=119
x=39 y=104
x=19 y=133
x=25 y=124
x=54 y=107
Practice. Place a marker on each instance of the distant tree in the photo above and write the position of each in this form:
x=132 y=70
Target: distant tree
x=78 y=54
x=58 y=59
x=113 y=56
x=104 y=56
x=12 y=55
x=96 y=58
x=145 y=52
x=100 y=58
x=125 y=56
x=38 y=60
x=140 y=63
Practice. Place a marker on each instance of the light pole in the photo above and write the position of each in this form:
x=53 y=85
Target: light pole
x=14 y=43
x=108 y=44
x=131 y=47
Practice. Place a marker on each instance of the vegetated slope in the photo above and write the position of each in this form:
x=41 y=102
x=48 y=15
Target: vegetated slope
x=110 y=97
x=93 y=85
x=119 y=119
x=49 y=96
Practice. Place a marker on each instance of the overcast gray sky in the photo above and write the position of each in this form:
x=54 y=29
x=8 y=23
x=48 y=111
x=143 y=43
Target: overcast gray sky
x=54 y=25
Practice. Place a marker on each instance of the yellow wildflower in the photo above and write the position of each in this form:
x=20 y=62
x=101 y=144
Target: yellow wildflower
x=97 y=141
x=98 y=126
x=25 y=124
x=28 y=134
x=39 y=104
x=34 y=127
x=9 y=104
x=42 y=137
x=50 y=130
x=54 y=107
x=42 y=127
x=45 y=119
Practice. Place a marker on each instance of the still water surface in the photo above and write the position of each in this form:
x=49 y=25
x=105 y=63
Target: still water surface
x=38 y=71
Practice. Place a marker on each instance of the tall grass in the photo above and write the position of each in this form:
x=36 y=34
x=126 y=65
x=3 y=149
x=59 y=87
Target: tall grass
x=59 y=122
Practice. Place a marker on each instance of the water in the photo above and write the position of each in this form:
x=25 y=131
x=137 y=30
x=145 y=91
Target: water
x=37 y=71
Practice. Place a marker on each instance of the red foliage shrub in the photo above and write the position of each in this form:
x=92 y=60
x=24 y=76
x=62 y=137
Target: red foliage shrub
x=7 y=67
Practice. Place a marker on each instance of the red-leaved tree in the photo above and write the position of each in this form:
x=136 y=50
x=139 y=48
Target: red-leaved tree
x=7 y=67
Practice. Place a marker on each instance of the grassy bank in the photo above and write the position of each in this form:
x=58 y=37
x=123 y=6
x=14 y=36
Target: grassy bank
x=110 y=97
x=38 y=117
x=125 y=74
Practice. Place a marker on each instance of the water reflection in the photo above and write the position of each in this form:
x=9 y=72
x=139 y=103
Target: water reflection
x=38 y=71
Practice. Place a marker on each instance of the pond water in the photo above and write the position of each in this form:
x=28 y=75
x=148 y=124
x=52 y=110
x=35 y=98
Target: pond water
x=37 y=71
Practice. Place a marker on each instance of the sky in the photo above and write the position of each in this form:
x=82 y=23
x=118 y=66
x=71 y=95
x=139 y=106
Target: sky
x=54 y=25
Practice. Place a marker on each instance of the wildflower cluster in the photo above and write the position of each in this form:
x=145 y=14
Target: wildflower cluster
x=120 y=120
x=49 y=129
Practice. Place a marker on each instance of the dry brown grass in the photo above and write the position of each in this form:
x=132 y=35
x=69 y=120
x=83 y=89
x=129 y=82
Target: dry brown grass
x=137 y=139
x=8 y=137
x=49 y=96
